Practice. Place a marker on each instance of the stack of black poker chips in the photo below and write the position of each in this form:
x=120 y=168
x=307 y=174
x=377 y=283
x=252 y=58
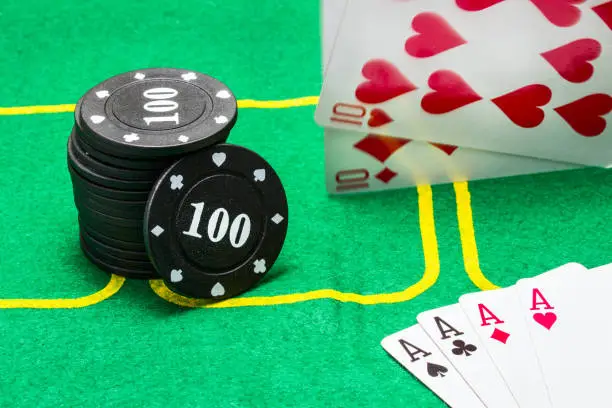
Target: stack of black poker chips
x=128 y=129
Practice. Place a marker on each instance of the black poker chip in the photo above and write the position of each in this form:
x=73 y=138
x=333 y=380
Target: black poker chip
x=91 y=175
x=110 y=241
x=106 y=170
x=114 y=252
x=156 y=112
x=118 y=268
x=216 y=222
x=80 y=183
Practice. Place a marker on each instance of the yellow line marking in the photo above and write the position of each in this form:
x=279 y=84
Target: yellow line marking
x=243 y=103
x=430 y=276
x=113 y=286
x=468 y=237
x=32 y=110
x=287 y=103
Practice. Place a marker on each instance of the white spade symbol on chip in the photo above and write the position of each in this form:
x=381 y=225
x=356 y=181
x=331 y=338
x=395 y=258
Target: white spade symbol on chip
x=217 y=290
x=259 y=174
x=176 y=275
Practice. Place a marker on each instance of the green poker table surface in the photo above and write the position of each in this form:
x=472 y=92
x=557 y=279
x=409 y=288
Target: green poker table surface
x=353 y=270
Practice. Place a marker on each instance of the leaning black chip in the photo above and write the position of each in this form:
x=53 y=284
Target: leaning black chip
x=216 y=222
x=156 y=112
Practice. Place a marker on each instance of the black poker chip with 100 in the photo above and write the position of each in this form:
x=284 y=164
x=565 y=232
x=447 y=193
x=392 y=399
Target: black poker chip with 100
x=135 y=135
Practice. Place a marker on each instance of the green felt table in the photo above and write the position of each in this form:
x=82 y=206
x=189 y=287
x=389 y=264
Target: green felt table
x=353 y=270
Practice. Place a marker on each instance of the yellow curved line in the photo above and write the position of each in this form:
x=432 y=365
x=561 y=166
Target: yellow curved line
x=468 y=237
x=113 y=286
x=243 y=103
x=430 y=276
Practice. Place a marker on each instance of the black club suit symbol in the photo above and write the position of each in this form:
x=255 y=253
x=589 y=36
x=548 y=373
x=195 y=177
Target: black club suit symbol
x=462 y=348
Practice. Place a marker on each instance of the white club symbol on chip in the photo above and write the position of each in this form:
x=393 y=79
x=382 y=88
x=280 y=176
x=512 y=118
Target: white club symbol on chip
x=176 y=182
x=189 y=76
x=131 y=137
x=259 y=266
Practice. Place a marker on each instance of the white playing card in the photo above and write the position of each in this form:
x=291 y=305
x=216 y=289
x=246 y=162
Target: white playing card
x=416 y=352
x=358 y=162
x=602 y=268
x=450 y=330
x=515 y=77
x=496 y=317
x=567 y=317
x=331 y=16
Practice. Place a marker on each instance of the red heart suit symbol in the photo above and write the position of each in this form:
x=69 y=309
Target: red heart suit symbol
x=545 y=319
x=378 y=118
x=476 y=5
x=604 y=11
x=585 y=115
x=562 y=13
x=571 y=60
x=450 y=92
x=385 y=82
x=522 y=106
x=434 y=36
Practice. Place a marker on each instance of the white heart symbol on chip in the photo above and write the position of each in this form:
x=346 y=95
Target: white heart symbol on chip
x=218 y=158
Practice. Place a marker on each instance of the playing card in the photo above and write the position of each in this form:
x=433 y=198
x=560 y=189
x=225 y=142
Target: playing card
x=359 y=162
x=452 y=333
x=524 y=77
x=496 y=317
x=331 y=16
x=416 y=352
x=566 y=312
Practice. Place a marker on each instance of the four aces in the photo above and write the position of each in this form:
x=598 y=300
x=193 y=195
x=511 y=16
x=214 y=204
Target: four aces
x=526 y=345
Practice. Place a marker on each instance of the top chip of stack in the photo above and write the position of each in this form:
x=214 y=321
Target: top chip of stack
x=156 y=113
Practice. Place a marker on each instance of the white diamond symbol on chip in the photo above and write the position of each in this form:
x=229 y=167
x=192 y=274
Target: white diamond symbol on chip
x=157 y=231
x=97 y=119
x=277 y=219
x=224 y=94
x=189 y=77
x=102 y=94
x=183 y=139
x=139 y=75
x=131 y=137
x=220 y=120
